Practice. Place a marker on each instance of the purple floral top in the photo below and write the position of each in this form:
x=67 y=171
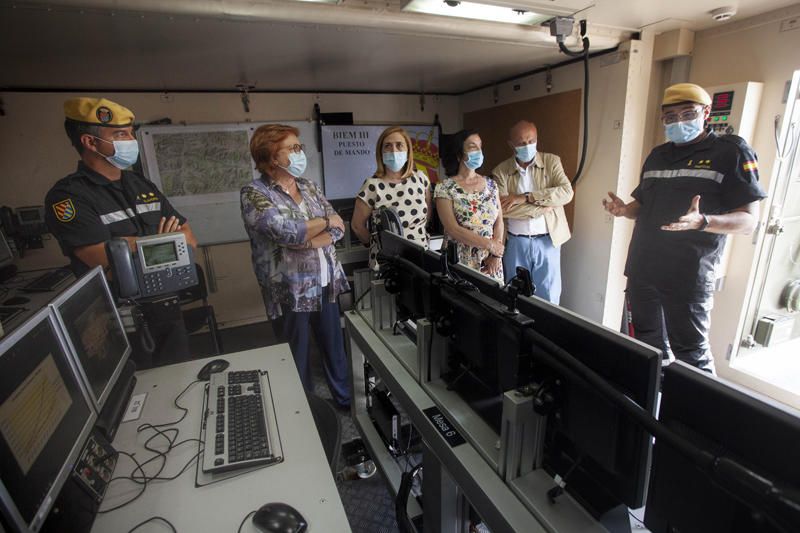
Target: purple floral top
x=275 y=222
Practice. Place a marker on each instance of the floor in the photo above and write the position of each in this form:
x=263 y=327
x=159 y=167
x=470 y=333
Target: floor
x=367 y=502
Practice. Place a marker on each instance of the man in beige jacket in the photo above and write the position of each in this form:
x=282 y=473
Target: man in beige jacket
x=533 y=191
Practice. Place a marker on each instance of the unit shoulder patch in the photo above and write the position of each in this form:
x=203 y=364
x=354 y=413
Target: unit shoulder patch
x=64 y=210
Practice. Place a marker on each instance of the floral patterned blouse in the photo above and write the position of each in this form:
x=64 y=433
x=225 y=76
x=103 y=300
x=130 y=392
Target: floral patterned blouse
x=275 y=222
x=476 y=211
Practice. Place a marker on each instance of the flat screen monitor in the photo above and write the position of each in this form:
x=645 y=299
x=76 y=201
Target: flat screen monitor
x=726 y=421
x=6 y=256
x=45 y=418
x=606 y=453
x=94 y=333
x=609 y=451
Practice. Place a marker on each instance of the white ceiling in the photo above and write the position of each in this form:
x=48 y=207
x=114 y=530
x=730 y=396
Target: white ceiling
x=282 y=45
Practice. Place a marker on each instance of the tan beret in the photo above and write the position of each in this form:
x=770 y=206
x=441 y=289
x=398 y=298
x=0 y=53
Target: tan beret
x=685 y=92
x=98 y=111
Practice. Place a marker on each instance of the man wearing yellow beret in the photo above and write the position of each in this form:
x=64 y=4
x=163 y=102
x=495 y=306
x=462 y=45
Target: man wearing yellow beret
x=694 y=190
x=103 y=199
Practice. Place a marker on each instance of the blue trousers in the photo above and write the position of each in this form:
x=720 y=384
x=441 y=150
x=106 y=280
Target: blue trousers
x=296 y=328
x=538 y=255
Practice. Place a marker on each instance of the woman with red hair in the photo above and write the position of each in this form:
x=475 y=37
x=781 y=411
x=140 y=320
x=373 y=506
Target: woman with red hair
x=292 y=230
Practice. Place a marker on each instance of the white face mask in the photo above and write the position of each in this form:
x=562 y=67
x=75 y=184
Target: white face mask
x=126 y=153
x=297 y=164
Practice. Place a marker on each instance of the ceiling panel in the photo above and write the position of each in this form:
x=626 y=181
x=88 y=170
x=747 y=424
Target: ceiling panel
x=175 y=45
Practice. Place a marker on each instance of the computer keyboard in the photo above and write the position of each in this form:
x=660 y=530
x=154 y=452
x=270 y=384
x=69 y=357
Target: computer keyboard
x=237 y=429
x=48 y=281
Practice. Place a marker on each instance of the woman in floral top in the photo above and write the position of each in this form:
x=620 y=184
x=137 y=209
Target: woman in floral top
x=292 y=229
x=468 y=205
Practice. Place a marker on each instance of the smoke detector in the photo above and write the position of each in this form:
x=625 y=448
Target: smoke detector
x=721 y=14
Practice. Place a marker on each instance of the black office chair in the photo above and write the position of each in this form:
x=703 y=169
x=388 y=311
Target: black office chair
x=329 y=427
x=197 y=317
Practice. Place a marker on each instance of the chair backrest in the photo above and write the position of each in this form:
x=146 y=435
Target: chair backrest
x=330 y=429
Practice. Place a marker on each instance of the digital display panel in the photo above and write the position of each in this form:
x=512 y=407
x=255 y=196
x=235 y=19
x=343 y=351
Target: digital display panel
x=159 y=254
x=722 y=102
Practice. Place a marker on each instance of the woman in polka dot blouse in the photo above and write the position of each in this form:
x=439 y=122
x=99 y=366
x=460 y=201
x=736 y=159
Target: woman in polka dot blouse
x=396 y=185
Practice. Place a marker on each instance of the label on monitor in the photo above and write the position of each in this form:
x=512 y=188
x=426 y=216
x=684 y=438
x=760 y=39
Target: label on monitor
x=447 y=430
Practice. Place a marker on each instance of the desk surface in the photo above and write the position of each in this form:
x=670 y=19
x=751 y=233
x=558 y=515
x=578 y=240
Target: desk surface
x=36 y=300
x=303 y=480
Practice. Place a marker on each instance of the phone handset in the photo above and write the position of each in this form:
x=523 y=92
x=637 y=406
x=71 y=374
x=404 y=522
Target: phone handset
x=124 y=278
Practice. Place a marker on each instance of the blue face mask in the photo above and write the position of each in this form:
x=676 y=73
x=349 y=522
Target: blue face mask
x=126 y=153
x=525 y=153
x=684 y=132
x=395 y=160
x=297 y=164
x=474 y=160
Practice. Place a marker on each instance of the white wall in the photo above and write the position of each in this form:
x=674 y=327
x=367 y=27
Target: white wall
x=592 y=260
x=35 y=153
x=750 y=50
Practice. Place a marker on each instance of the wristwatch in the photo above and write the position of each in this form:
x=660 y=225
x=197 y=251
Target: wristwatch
x=327 y=222
x=704 y=224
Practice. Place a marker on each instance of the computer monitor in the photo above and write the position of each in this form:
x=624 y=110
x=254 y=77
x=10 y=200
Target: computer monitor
x=730 y=424
x=45 y=419
x=30 y=215
x=6 y=255
x=405 y=276
x=94 y=333
x=484 y=347
x=609 y=451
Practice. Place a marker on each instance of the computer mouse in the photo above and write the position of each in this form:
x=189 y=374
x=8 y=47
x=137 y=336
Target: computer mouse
x=279 y=518
x=217 y=365
x=17 y=300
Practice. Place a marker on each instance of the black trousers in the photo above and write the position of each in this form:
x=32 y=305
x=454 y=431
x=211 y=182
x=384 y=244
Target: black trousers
x=673 y=321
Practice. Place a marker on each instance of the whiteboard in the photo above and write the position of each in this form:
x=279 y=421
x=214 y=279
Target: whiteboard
x=348 y=154
x=202 y=167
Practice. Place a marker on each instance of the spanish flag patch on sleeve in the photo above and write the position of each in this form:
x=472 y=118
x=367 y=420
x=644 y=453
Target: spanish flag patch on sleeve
x=750 y=166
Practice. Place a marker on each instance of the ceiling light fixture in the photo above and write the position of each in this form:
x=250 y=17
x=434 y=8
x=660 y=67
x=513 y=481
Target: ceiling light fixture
x=721 y=14
x=476 y=11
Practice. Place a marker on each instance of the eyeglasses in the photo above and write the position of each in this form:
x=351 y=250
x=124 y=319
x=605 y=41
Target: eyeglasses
x=683 y=116
x=297 y=148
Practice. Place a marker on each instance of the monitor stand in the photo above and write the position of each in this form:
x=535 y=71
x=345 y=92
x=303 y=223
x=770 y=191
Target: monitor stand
x=117 y=402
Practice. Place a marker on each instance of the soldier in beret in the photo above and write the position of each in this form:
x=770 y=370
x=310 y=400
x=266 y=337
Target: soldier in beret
x=694 y=190
x=104 y=199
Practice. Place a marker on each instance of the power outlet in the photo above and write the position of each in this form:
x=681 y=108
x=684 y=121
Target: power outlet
x=790 y=24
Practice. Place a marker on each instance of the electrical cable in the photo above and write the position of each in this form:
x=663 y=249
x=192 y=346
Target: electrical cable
x=152 y=518
x=170 y=435
x=251 y=513
x=358 y=300
x=585 y=55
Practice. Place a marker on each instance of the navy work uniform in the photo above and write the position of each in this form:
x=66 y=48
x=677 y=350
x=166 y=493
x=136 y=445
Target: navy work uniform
x=85 y=208
x=671 y=275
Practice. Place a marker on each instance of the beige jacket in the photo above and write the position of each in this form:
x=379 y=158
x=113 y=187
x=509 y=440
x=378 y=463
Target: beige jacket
x=553 y=189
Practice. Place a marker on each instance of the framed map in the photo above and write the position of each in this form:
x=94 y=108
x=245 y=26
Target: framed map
x=201 y=169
